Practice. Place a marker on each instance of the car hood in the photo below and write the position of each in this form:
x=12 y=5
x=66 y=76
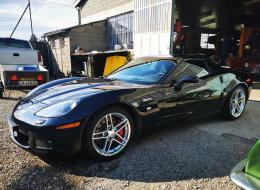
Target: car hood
x=79 y=89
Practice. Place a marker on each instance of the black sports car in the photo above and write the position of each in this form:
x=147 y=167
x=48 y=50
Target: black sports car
x=101 y=116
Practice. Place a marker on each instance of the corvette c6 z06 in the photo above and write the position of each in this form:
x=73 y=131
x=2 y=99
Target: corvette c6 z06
x=101 y=116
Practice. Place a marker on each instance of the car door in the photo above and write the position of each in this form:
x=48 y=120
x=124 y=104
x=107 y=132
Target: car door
x=193 y=99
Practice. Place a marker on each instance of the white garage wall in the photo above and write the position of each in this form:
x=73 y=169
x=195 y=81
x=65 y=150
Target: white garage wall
x=152 y=22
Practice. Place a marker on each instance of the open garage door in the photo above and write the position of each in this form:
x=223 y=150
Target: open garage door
x=152 y=27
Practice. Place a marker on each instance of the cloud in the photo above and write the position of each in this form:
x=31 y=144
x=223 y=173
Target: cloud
x=47 y=15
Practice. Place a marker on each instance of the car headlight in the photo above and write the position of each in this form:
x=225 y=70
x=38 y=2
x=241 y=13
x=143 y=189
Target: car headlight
x=59 y=109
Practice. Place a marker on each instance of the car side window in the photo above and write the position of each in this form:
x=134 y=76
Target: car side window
x=185 y=69
x=198 y=62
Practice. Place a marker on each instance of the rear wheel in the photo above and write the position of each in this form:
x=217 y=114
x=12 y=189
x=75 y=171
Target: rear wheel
x=108 y=134
x=236 y=103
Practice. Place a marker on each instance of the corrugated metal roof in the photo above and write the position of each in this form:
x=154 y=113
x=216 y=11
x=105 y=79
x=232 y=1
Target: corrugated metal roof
x=64 y=30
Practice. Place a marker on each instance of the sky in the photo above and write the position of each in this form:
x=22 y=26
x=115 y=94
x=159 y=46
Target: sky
x=47 y=15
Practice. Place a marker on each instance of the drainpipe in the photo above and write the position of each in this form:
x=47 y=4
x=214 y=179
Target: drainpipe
x=79 y=15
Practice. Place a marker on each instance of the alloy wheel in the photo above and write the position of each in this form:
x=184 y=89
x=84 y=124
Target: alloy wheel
x=238 y=101
x=111 y=134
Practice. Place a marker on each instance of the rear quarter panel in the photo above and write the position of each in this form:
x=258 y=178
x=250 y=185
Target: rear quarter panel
x=230 y=82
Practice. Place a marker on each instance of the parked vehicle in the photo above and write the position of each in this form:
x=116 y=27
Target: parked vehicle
x=102 y=116
x=246 y=174
x=20 y=65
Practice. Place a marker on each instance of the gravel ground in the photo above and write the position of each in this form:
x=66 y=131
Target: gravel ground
x=171 y=158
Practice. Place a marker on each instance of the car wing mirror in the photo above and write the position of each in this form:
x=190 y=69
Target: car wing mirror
x=186 y=79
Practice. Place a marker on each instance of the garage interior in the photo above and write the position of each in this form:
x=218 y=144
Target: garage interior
x=217 y=16
x=233 y=22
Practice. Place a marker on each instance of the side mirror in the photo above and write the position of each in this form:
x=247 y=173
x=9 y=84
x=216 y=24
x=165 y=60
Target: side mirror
x=185 y=79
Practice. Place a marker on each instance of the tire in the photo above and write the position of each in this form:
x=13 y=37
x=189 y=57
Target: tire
x=236 y=103
x=116 y=138
x=1 y=90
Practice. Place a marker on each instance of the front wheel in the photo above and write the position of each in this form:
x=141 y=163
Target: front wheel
x=236 y=103
x=108 y=134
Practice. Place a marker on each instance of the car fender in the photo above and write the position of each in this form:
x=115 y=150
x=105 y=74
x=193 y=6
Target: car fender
x=231 y=85
x=107 y=99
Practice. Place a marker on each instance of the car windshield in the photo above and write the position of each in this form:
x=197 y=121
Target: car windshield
x=7 y=42
x=143 y=73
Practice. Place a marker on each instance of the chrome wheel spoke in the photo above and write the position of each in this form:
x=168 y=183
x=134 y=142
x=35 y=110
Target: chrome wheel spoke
x=118 y=125
x=123 y=144
x=121 y=138
x=122 y=127
x=241 y=99
x=238 y=109
x=105 y=146
x=107 y=152
x=233 y=110
x=107 y=122
x=236 y=96
x=98 y=138
x=97 y=135
x=111 y=121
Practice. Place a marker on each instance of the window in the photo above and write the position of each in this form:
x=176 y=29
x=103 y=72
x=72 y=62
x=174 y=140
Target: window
x=120 y=30
x=8 y=42
x=143 y=73
x=198 y=62
x=204 y=41
x=185 y=69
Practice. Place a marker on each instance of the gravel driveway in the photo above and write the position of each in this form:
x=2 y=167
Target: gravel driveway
x=181 y=157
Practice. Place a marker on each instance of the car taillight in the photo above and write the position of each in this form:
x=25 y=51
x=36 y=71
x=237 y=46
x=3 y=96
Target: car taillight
x=253 y=67
x=40 y=78
x=14 y=78
x=39 y=57
x=249 y=81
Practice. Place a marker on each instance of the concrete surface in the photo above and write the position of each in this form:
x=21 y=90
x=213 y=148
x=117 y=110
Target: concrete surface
x=198 y=155
x=255 y=95
x=248 y=126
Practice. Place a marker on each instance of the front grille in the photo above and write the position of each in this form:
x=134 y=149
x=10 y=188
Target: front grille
x=21 y=138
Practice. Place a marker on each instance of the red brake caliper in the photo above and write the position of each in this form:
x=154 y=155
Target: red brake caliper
x=121 y=133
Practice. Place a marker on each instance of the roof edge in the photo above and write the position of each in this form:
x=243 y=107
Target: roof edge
x=55 y=32
x=78 y=3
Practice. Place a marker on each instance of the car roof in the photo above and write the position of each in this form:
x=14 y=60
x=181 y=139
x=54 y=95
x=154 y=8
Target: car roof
x=175 y=57
x=154 y=58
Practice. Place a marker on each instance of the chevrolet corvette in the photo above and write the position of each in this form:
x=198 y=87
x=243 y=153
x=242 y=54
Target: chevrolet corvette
x=101 y=117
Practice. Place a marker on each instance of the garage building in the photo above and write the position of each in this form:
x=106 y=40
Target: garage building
x=150 y=27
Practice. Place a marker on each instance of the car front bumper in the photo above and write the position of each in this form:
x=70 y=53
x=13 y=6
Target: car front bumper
x=243 y=180
x=45 y=140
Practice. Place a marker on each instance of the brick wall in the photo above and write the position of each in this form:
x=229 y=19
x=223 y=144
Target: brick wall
x=60 y=50
x=96 y=10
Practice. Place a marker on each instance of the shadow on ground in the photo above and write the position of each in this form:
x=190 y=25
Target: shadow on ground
x=164 y=155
